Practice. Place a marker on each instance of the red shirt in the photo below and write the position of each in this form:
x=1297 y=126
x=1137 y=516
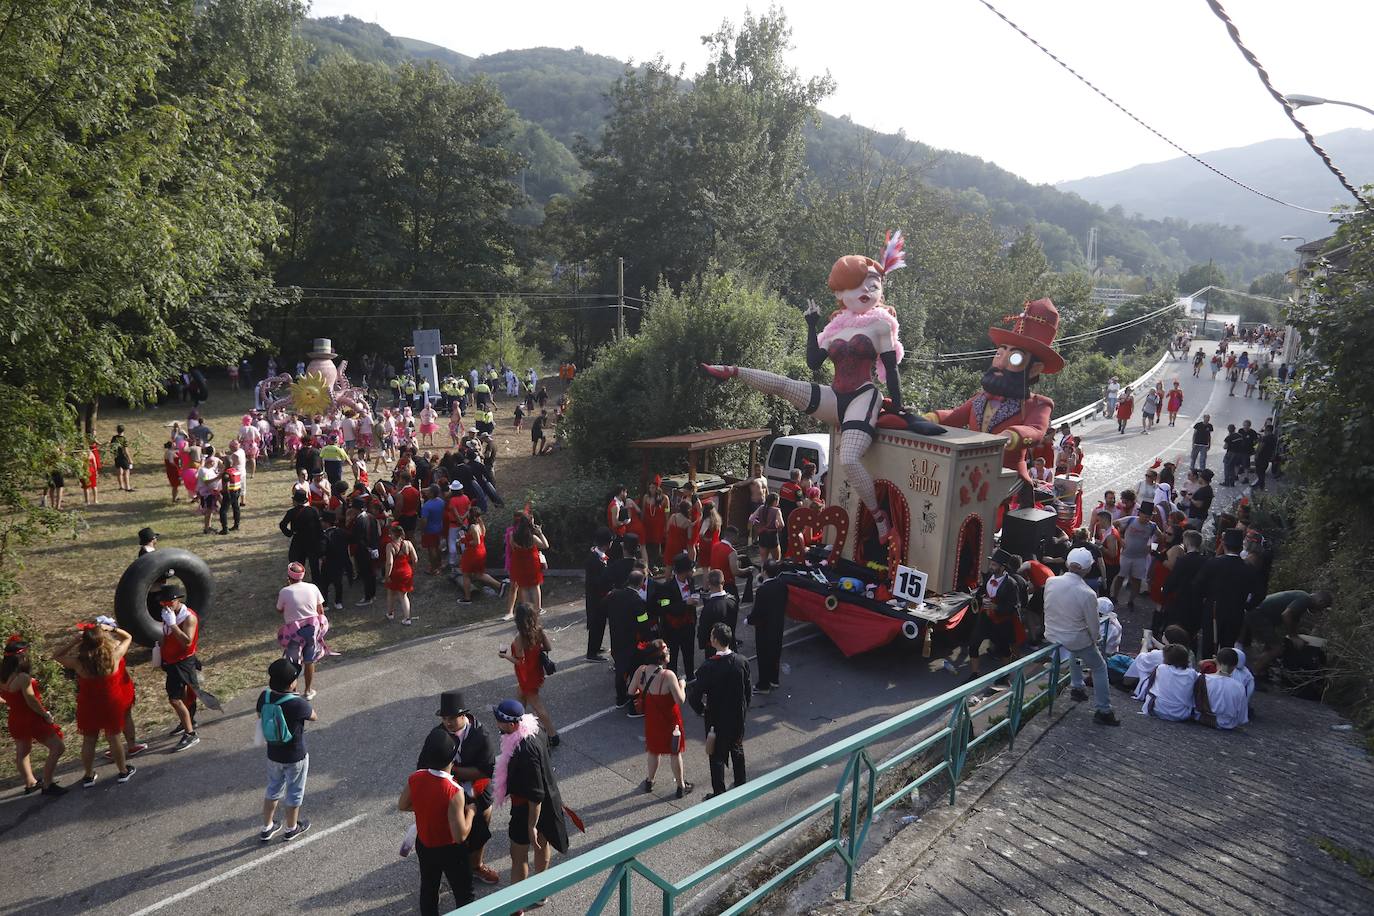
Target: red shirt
x=720 y=559
x=458 y=507
x=791 y=492
x=409 y=501
x=430 y=796
x=174 y=650
x=1039 y=573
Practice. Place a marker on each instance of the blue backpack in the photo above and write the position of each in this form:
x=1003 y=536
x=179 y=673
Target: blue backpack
x=274 y=727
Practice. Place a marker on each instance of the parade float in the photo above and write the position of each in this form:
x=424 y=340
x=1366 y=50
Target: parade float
x=323 y=387
x=913 y=503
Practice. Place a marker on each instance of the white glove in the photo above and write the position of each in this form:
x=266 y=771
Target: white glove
x=169 y=619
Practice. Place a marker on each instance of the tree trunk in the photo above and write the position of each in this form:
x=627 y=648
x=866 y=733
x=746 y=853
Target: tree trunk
x=89 y=413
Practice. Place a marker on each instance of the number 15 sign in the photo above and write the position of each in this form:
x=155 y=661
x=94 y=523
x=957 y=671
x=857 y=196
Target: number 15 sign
x=910 y=584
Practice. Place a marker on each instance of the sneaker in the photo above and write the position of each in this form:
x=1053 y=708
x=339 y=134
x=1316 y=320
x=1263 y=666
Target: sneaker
x=505 y=584
x=36 y=787
x=762 y=688
x=88 y=781
x=301 y=827
x=634 y=714
x=179 y=730
x=364 y=603
x=1106 y=718
x=338 y=605
x=190 y=739
x=269 y=831
x=685 y=789
x=486 y=874
x=647 y=786
x=128 y=774
x=310 y=694
x=135 y=749
x=1078 y=694
x=54 y=790
x=465 y=601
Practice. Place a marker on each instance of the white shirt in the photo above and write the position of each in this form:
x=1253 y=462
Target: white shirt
x=1144 y=665
x=299 y=601
x=1228 y=700
x=1170 y=695
x=1071 y=611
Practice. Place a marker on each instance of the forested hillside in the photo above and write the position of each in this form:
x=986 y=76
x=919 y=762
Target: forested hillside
x=562 y=95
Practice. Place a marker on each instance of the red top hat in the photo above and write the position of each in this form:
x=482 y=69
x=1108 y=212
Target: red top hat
x=1033 y=331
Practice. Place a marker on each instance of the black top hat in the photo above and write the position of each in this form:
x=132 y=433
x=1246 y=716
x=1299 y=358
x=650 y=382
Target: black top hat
x=451 y=704
x=170 y=592
x=147 y=536
x=1145 y=506
x=1003 y=558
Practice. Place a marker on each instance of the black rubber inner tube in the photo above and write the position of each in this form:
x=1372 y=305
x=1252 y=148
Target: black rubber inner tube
x=138 y=612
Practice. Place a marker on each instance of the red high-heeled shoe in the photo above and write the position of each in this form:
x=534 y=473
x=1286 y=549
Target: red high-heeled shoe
x=882 y=521
x=719 y=373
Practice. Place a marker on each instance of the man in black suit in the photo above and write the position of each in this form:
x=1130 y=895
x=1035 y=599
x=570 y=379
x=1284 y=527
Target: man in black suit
x=596 y=587
x=674 y=602
x=721 y=693
x=767 y=617
x=1226 y=587
x=302 y=525
x=629 y=622
x=474 y=762
x=618 y=570
x=719 y=606
x=1180 y=600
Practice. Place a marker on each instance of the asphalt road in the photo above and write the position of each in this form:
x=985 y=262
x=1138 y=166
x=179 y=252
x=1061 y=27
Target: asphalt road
x=181 y=836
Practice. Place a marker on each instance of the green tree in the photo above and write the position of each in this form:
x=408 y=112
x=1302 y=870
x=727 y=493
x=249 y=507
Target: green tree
x=1275 y=285
x=682 y=179
x=649 y=384
x=1199 y=276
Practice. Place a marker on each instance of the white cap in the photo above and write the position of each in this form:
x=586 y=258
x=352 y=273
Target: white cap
x=1081 y=557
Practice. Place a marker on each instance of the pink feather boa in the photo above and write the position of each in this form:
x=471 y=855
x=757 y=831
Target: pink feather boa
x=526 y=727
x=867 y=322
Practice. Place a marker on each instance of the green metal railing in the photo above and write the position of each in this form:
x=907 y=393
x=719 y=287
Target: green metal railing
x=618 y=860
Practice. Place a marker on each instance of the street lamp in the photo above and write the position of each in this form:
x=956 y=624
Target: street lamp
x=1302 y=101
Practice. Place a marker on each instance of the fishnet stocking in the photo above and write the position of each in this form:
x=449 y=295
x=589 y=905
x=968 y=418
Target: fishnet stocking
x=853 y=444
x=796 y=393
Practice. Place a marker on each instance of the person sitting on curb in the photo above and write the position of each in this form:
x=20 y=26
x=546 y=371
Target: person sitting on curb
x=1149 y=659
x=1169 y=689
x=1224 y=698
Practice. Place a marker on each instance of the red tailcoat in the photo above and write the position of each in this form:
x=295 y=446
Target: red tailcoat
x=1030 y=419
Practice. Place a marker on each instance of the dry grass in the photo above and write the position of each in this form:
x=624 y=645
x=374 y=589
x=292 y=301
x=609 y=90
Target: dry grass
x=73 y=577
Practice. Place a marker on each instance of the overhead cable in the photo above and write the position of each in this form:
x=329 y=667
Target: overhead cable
x=1122 y=108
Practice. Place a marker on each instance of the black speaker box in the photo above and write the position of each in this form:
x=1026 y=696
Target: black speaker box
x=1024 y=529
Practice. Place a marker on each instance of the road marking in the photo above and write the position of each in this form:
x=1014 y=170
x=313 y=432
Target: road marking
x=610 y=709
x=247 y=866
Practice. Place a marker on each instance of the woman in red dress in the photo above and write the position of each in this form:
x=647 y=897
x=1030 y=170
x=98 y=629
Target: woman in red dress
x=525 y=654
x=662 y=694
x=399 y=572
x=90 y=475
x=679 y=535
x=526 y=566
x=104 y=693
x=29 y=719
x=709 y=528
x=474 y=561
x=654 y=507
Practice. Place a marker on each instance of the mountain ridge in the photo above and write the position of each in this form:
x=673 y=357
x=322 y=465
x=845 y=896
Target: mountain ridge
x=559 y=96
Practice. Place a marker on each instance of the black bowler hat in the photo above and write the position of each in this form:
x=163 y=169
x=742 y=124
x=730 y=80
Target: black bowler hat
x=170 y=592
x=451 y=704
x=147 y=536
x=1004 y=559
x=438 y=749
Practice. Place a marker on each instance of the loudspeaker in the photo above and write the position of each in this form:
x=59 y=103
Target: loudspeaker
x=1024 y=529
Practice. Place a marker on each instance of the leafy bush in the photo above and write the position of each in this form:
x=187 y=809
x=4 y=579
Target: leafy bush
x=650 y=385
x=570 y=510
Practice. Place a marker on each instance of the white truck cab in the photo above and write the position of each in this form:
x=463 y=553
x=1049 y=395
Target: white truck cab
x=788 y=452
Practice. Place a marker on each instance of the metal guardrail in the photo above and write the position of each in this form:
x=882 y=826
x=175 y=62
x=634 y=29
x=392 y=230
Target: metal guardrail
x=1083 y=413
x=856 y=790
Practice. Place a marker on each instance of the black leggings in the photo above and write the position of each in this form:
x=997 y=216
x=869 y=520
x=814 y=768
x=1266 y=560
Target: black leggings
x=440 y=862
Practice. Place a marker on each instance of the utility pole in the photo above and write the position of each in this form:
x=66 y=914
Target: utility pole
x=620 y=299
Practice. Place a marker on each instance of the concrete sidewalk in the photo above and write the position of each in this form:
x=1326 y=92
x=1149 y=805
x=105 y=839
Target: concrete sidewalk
x=1152 y=817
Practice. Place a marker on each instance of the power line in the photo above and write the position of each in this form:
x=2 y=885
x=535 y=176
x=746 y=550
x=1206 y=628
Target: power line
x=1122 y=108
x=1279 y=97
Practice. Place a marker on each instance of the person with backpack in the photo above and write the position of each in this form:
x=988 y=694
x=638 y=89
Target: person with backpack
x=283 y=714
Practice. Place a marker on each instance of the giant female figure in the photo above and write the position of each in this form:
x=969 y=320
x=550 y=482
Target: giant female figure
x=861 y=335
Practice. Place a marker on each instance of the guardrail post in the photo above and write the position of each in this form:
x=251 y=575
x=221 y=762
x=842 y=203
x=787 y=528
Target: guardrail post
x=956 y=747
x=627 y=900
x=1053 y=685
x=1014 y=706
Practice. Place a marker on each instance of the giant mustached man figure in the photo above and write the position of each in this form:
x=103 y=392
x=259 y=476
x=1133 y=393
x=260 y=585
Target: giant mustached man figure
x=861 y=335
x=1006 y=404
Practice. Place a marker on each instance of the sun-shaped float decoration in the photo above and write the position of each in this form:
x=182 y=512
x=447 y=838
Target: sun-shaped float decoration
x=310 y=394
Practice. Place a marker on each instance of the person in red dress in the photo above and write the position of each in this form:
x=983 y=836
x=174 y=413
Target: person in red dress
x=474 y=560
x=104 y=693
x=29 y=720
x=654 y=507
x=525 y=650
x=526 y=566
x=709 y=528
x=90 y=475
x=678 y=539
x=399 y=561
x=656 y=686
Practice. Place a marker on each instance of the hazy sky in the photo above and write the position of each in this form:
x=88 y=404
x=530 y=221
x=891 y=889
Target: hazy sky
x=953 y=75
